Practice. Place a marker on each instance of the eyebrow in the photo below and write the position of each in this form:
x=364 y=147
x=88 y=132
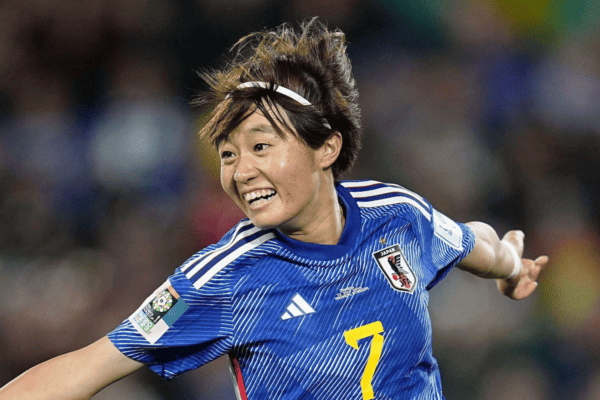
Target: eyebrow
x=259 y=128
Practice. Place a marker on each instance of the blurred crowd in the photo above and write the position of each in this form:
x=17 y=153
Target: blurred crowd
x=489 y=109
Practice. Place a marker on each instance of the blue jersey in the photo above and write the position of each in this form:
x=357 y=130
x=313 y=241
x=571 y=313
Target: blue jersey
x=309 y=321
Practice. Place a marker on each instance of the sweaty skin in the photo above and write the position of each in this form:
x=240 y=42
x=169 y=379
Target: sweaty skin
x=304 y=206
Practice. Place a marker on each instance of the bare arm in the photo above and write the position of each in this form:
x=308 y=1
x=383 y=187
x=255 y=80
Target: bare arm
x=73 y=376
x=493 y=258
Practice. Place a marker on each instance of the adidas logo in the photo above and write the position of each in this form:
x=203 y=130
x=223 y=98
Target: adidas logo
x=297 y=308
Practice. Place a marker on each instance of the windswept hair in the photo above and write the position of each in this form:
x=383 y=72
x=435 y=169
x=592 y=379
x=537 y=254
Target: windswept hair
x=312 y=63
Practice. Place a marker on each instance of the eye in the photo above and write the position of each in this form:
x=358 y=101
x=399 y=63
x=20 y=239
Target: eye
x=260 y=146
x=226 y=154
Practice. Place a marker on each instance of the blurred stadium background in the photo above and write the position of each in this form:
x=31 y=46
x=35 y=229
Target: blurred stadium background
x=488 y=108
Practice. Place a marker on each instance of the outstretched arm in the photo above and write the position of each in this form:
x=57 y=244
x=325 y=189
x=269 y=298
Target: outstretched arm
x=501 y=260
x=77 y=375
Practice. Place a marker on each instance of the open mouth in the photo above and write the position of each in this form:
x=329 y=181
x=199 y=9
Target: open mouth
x=259 y=197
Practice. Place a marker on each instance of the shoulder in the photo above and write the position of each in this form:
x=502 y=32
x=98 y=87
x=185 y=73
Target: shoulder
x=377 y=196
x=242 y=245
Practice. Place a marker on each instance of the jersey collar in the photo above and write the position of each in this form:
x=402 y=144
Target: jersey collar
x=324 y=252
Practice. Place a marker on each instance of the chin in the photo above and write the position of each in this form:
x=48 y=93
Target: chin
x=268 y=221
x=263 y=224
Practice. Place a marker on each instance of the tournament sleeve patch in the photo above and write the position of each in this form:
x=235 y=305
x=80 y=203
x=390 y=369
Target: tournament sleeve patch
x=447 y=230
x=158 y=313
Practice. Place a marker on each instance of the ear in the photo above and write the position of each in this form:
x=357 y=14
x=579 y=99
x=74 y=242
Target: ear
x=330 y=150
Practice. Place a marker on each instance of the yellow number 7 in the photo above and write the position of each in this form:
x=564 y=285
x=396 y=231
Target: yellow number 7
x=352 y=337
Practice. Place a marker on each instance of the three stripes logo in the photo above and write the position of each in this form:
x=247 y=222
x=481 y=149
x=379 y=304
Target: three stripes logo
x=297 y=308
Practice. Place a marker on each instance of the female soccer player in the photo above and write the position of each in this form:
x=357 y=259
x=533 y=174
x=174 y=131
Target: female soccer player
x=322 y=292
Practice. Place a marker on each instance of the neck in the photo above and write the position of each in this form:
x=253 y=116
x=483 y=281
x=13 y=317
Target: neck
x=325 y=224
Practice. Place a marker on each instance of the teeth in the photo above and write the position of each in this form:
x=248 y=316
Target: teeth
x=259 y=202
x=258 y=193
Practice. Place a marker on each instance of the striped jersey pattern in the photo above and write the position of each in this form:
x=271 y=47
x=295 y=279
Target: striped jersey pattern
x=298 y=320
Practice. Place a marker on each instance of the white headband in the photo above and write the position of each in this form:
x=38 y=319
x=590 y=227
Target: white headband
x=279 y=89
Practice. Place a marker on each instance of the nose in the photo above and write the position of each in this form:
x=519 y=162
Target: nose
x=245 y=170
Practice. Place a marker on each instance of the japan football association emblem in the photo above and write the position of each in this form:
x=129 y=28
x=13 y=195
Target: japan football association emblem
x=396 y=269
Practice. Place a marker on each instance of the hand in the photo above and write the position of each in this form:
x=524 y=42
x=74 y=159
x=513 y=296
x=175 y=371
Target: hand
x=524 y=284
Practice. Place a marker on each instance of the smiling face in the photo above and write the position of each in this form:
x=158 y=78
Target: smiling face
x=277 y=181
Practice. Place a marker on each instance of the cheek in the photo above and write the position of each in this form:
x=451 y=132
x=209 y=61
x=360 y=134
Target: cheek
x=300 y=179
x=227 y=182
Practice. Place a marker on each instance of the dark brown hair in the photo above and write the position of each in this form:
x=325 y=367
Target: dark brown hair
x=312 y=63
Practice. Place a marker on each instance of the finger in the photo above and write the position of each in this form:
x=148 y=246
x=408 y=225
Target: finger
x=531 y=288
x=525 y=291
x=542 y=260
x=534 y=273
x=538 y=265
x=531 y=269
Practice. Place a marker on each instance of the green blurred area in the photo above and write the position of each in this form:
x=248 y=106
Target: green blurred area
x=541 y=21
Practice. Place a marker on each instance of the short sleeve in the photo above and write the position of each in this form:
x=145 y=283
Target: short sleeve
x=178 y=327
x=445 y=243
